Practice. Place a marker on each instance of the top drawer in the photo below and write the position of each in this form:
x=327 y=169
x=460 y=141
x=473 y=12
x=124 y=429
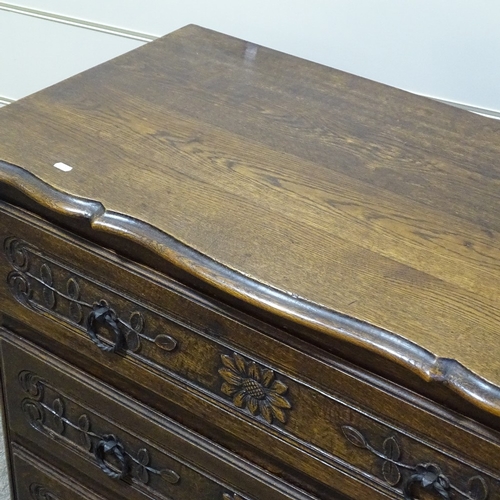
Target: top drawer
x=281 y=403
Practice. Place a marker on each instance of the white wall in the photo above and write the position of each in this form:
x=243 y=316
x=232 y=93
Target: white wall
x=40 y=53
x=440 y=48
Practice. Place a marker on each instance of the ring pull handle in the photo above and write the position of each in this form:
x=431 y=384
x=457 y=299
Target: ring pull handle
x=109 y=445
x=102 y=315
x=430 y=478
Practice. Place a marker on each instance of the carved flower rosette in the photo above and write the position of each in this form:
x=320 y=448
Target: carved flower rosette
x=254 y=388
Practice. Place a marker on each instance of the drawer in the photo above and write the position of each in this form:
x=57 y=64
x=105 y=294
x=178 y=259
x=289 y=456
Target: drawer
x=283 y=404
x=113 y=444
x=34 y=479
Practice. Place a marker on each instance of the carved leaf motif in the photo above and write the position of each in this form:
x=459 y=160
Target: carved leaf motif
x=354 y=436
x=143 y=456
x=31 y=384
x=142 y=474
x=73 y=288
x=48 y=295
x=75 y=312
x=267 y=379
x=279 y=414
x=46 y=274
x=75 y=309
x=166 y=342
x=278 y=386
x=17 y=254
x=19 y=286
x=391 y=448
x=132 y=340
x=20 y=258
x=253 y=371
x=58 y=407
x=137 y=321
x=228 y=362
x=34 y=413
x=477 y=488
x=170 y=476
x=84 y=425
x=278 y=400
x=390 y=471
x=267 y=413
x=38 y=492
x=240 y=363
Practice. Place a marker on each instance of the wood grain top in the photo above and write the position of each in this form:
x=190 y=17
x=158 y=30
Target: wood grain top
x=358 y=210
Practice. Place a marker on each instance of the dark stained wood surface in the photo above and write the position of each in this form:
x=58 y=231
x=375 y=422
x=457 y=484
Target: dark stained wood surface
x=36 y=480
x=181 y=464
x=330 y=193
x=186 y=376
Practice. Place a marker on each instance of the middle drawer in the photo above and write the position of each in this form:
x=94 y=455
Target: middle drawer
x=115 y=443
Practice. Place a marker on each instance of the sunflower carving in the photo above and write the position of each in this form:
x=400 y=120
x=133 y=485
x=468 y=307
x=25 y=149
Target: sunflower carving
x=254 y=388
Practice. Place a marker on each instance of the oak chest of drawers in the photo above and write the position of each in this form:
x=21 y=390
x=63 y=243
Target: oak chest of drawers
x=230 y=274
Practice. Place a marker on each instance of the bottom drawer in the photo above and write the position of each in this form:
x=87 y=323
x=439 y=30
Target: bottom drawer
x=34 y=479
x=114 y=445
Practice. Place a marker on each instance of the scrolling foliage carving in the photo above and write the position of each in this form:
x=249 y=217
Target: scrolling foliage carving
x=40 y=283
x=425 y=475
x=39 y=492
x=45 y=410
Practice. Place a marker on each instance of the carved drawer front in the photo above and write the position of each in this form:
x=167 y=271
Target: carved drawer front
x=118 y=445
x=319 y=418
x=34 y=479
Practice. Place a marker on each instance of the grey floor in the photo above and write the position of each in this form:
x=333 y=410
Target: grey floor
x=4 y=485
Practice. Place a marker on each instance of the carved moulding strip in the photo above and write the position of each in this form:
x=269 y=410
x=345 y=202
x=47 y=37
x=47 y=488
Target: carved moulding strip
x=50 y=419
x=32 y=283
x=427 y=475
x=232 y=496
x=199 y=268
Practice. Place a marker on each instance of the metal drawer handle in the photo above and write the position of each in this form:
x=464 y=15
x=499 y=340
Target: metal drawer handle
x=102 y=315
x=109 y=444
x=46 y=286
x=48 y=415
x=430 y=478
x=426 y=475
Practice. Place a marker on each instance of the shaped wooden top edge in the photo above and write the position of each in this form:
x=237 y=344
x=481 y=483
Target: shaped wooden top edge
x=449 y=373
